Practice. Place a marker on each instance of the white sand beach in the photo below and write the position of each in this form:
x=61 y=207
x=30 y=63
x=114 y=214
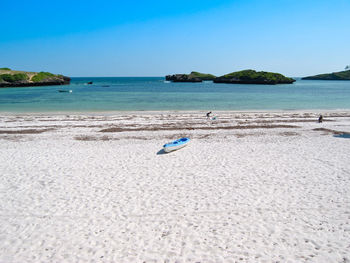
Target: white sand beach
x=250 y=187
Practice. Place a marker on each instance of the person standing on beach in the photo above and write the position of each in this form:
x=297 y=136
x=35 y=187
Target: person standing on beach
x=320 y=119
x=208 y=114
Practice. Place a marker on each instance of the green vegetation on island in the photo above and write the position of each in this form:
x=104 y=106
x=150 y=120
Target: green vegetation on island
x=250 y=76
x=341 y=75
x=239 y=77
x=42 y=76
x=194 y=76
x=202 y=76
x=13 y=78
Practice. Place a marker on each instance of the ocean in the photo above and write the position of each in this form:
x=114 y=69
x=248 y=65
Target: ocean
x=154 y=93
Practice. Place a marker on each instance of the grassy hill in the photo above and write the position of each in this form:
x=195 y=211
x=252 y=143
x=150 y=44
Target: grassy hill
x=202 y=76
x=341 y=75
x=250 y=76
x=16 y=78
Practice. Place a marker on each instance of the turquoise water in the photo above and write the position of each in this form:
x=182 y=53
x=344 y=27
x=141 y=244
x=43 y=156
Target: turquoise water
x=343 y=135
x=141 y=93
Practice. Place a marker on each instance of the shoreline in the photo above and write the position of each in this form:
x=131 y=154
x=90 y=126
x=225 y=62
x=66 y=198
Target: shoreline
x=155 y=112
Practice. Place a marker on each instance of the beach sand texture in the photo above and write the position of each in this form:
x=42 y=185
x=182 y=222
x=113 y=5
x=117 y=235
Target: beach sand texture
x=250 y=187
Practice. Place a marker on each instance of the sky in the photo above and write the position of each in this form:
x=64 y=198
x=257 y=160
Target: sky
x=155 y=38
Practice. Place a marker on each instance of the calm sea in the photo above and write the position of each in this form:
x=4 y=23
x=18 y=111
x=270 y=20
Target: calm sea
x=153 y=93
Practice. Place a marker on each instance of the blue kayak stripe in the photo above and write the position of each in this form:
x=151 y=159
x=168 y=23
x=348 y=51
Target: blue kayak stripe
x=177 y=142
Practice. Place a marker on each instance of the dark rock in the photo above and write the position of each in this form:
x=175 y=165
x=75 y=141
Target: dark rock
x=194 y=76
x=182 y=78
x=66 y=80
x=49 y=82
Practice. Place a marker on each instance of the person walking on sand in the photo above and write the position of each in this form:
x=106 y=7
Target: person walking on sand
x=208 y=114
x=320 y=119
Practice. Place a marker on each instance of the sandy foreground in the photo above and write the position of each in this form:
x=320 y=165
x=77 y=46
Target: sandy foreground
x=250 y=187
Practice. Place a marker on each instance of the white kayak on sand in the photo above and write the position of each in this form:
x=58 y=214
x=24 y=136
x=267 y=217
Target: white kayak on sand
x=175 y=145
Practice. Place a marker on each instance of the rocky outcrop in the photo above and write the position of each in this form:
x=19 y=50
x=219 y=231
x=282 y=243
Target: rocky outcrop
x=192 y=77
x=240 y=77
x=10 y=78
x=341 y=75
x=182 y=78
x=48 y=82
x=253 y=77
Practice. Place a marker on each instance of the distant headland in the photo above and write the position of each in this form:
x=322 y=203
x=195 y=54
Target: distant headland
x=341 y=75
x=239 y=77
x=14 y=78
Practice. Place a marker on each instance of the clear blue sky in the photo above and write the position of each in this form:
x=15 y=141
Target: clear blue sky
x=154 y=38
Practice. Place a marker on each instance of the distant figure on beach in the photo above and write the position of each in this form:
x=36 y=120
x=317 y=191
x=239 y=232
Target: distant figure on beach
x=320 y=119
x=208 y=114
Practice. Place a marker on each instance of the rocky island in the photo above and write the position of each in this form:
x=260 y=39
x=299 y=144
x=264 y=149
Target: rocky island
x=192 y=77
x=240 y=77
x=254 y=77
x=14 y=78
x=341 y=75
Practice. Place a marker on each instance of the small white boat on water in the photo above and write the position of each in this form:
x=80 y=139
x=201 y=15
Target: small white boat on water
x=65 y=90
x=175 y=145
